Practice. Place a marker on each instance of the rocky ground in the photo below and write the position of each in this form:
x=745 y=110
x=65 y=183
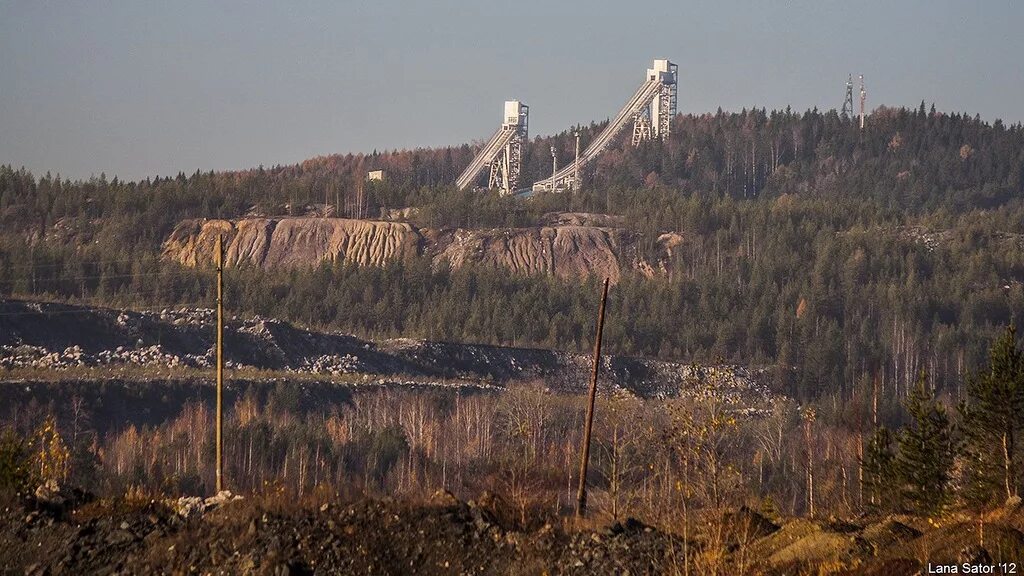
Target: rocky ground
x=45 y=337
x=443 y=536
x=224 y=535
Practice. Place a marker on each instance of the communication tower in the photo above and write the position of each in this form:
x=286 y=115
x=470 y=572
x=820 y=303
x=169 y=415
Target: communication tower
x=848 y=103
x=863 y=99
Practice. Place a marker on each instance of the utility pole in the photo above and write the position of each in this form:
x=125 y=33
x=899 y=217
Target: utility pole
x=220 y=363
x=581 y=496
x=554 y=167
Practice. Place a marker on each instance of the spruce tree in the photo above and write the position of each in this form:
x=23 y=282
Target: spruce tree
x=993 y=419
x=879 y=469
x=926 y=452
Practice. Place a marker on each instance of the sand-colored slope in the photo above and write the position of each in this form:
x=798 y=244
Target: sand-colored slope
x=570 y=248
x=563 y=251
x=289 y=242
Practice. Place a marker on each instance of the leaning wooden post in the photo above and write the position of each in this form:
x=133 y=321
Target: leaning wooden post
x=220 y=363
x=581 y=497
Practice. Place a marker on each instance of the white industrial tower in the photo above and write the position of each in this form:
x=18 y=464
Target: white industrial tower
x=655 y=119
x=505 y=169
x=503 y=152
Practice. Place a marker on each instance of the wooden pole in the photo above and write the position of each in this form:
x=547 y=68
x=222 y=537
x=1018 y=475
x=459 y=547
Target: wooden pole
x=220 y=363
x=581 y=497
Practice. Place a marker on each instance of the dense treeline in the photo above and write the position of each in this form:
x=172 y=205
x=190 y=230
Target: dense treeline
x=836 y=255
x=909 y=162
x=770 y=282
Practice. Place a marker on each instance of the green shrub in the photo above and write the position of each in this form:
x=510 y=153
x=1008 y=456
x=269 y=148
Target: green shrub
x=14 y=465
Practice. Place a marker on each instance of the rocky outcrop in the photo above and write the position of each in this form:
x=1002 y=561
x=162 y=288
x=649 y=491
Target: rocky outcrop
x=287 y=242
x=563 y=251
x=569 y=245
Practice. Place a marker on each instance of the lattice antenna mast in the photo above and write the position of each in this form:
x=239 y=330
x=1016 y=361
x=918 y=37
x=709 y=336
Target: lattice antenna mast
x=848 y=103
x=863 y=99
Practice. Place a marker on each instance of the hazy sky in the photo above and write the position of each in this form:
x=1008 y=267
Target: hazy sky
x=141 y=87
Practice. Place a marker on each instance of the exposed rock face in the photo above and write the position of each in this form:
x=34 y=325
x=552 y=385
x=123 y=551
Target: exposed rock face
x=571 y=246
x=563 y=251
x=287 y=242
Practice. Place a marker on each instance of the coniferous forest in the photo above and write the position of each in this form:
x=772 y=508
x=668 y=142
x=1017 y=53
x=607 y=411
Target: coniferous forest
x=831 y=254
x=873 y=279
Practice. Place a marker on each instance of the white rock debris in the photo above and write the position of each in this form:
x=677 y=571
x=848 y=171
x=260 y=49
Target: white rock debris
x=184 y=338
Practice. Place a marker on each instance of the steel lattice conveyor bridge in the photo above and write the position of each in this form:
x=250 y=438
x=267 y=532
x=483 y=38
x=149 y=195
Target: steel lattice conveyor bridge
x=650 y=110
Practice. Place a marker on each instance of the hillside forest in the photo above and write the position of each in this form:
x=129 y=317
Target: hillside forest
x=875 y=276
x=833 y=255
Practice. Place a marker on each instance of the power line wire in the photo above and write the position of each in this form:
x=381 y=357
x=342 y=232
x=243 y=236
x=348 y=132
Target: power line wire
x=90 y=263
x=97 y=277
x=85 y=309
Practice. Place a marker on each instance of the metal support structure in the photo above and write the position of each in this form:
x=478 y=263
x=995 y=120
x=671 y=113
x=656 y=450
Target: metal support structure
x=667 y=103
x=503 y=153
x=653 y=105
x=642 y=127
x=673 y=97
x=581 y=495
x=655 y=119
x=220 y=363
x=847 y=111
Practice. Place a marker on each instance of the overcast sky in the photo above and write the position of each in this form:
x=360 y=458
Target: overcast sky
x=140 y=88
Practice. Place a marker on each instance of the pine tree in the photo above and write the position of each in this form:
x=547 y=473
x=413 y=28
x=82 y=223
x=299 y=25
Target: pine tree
x=926 y=452
x=880 y=469
x=993 y=418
